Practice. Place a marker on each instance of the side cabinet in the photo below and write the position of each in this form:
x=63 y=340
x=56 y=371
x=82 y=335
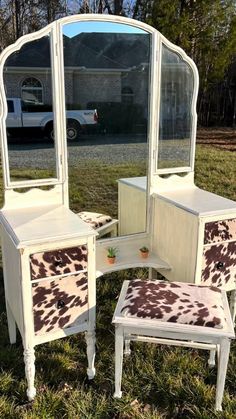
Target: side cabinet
x=200 y=247
x=50 y=293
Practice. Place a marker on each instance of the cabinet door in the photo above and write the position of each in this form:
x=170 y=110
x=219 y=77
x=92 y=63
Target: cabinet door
x=219 y=254
x=60 y=303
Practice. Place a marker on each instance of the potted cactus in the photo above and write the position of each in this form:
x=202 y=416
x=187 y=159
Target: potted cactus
x=144 y=252
x=111 y=255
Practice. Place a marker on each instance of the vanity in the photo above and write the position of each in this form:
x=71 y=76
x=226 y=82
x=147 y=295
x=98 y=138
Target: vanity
x=144 y=89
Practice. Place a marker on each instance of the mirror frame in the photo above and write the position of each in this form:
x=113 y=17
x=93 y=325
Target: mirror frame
x=55 y=30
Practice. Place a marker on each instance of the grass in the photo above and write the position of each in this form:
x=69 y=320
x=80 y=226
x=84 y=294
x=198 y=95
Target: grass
x=158 y=382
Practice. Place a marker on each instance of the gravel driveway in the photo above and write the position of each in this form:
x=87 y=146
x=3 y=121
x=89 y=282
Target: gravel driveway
x=106 y=149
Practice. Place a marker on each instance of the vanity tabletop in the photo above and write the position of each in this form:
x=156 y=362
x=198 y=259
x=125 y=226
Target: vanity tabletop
x=36 y=225
x=198 y=201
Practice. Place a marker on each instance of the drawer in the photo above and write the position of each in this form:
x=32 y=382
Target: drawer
x=218 y=231
x=60 y=303
x=219 y=265
x=58 y=262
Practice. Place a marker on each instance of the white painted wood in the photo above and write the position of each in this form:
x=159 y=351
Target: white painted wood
x=199 y=202
x=90 y=340
x=174 y=239
x=29 y=359
x=119 y=346
x=176 y=334
x=127 y=350
x=34 y=197
x=29 y=226
x=233 y=305
x=221 y=373
x=127 y=256
x=132 y=205
x=212 y=358
x=11 y=324
x=173 y=342
x=40 y=220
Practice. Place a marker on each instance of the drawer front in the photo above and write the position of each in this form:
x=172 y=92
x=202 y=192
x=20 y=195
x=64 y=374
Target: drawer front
x=219 y=265
x=58 y=262
x=60 y=303
x=218 y=231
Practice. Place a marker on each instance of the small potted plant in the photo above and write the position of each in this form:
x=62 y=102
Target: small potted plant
x=144 y=252
x=111 y=255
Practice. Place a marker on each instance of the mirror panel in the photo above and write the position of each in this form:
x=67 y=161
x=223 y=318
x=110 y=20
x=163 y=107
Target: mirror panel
x=107 y=73
x=27 y=78
x=176 y=95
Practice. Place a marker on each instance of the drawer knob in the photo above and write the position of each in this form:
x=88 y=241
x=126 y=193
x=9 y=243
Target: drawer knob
x=60 y=304
x=58 y=261
x=219 y=265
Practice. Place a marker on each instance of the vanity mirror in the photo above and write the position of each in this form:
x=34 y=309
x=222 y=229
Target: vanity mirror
x=107 y=68
x=28 y=92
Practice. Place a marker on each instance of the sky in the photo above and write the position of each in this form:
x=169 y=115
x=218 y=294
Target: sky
x=73 y=29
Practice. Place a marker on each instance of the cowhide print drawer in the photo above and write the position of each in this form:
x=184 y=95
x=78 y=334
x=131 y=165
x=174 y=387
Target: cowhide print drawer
x=219 y=265
x=218 y=231
x=60 y=303
x=58 y=262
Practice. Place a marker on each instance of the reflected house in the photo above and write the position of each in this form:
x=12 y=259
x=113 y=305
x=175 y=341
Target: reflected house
x=107 y=71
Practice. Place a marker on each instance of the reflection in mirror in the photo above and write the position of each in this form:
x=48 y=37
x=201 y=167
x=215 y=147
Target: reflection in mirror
x=174 y=149
x=107 y=91
x=28 y=88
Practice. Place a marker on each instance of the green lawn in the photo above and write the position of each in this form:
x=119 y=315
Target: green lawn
x=158 y=382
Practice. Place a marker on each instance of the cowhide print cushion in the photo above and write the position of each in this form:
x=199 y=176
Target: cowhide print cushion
x=174 y=302
x=94 y=219
x=60 y=303
x=58 y=262
x=217 y=231
x=219 y=265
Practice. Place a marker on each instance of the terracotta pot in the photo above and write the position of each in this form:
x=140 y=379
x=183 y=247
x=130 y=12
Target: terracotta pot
x=144 y=255
x=111 y=260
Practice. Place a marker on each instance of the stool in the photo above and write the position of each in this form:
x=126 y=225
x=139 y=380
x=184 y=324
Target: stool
x=102 y=223
x=176 y=314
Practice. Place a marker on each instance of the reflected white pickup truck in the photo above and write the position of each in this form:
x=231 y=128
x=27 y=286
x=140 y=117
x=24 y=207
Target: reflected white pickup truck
x=24 y=115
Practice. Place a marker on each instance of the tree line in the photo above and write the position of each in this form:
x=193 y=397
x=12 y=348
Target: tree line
x=205 y=29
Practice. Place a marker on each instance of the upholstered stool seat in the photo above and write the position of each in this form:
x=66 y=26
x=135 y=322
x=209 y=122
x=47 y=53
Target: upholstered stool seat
x=102 y=223
x=176 y=313
x=174 y=302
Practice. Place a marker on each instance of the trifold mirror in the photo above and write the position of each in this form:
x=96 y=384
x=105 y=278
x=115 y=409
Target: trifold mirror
x=122 y=91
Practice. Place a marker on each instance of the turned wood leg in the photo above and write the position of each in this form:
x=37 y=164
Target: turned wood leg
x=29 y=359
x=11 y=324
x=212 y=358
x=90 y=340
x=119 y=346
x=127 y=350
x=222 y=369
x=233 y=305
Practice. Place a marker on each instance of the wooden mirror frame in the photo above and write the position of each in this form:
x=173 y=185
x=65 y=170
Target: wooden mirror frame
x=60 y=184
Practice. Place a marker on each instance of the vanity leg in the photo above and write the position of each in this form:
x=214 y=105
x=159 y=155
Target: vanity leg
x=90 y=340
x=233 y=305
x=29 y=359
x=11 y=324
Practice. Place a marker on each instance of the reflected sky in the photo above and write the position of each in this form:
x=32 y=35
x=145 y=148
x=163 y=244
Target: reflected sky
x=73 y=29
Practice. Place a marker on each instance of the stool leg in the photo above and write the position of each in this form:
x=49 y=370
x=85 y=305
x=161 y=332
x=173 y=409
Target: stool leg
x=221 y=373
x=90 y=340
x=119 y=346
x=127 y=350
x=212 y=358
x=233 y=305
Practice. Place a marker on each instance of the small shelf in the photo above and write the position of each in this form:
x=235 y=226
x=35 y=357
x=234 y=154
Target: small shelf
x=127 y=257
